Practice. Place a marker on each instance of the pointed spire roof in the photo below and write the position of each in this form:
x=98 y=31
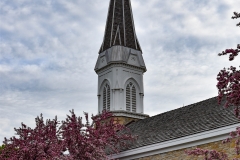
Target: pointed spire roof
x=120 y=28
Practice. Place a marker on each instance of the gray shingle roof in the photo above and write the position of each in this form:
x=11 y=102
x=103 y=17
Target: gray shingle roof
x=195 y=118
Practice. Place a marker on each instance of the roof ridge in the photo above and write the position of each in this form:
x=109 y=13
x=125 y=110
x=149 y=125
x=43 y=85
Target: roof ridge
x=184 y=106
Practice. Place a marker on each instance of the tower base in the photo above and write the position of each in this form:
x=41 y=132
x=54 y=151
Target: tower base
x=125 y=117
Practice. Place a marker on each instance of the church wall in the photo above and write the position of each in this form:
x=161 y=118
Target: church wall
x=228 y=148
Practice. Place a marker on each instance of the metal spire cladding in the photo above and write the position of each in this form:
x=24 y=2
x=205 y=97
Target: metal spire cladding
x=120 y=28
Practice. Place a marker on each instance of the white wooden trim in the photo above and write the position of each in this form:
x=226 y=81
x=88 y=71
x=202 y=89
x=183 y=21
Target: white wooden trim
x=176 y=144
x=112 y=21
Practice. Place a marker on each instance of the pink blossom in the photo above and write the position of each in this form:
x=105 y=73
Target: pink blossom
x=83 y=141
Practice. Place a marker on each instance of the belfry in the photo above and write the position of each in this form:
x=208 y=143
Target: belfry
x=120 y=65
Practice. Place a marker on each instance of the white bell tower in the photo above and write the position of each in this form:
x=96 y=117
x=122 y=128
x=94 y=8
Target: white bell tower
x=120 y=65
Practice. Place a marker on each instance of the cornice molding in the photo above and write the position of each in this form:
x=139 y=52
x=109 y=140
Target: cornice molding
x=120 y=64
x=129 y=114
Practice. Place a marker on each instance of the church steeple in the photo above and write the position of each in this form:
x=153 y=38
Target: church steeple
x=120 y=66
x=120 y=28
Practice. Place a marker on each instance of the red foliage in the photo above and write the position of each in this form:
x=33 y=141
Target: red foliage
x=229 y=79
x=233 y=52
x=229 y=87
x=236 y=16
x=42 y=142
x=91 y=141
x=82 y=141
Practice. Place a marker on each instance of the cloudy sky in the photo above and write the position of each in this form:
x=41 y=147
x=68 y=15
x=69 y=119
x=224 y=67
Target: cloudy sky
x=48 y=50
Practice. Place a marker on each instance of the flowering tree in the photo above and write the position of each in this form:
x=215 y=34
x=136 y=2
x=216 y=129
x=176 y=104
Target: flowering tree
x=91 y=141
x=229 y=79
x=42 y=142
x=82 y=141
x=229 y=88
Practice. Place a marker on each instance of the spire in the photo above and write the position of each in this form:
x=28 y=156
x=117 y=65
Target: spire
x=120 y=28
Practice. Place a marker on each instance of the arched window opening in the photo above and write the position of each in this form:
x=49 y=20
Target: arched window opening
x=128 y=98
x=131 y=104
x=134 y=109
x=106 y=97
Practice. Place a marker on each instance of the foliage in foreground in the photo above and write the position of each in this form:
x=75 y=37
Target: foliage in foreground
x=83 y=141
x=228 y=87
x=229 y=79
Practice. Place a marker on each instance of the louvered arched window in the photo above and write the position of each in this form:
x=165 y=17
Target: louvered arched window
x=106 y=97
x=131 y=98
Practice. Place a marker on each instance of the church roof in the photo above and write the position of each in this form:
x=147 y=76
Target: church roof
x=120 y=28
x=192 y=119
